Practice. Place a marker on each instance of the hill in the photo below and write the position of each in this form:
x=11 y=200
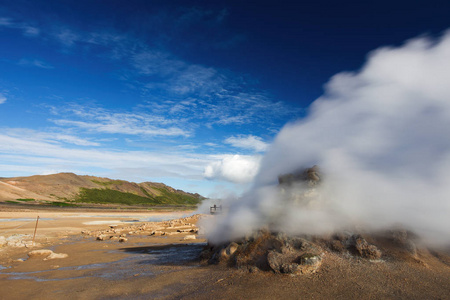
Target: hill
x=70 y=189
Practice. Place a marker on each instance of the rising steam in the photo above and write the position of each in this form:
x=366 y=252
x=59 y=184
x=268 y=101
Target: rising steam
x=381 y=137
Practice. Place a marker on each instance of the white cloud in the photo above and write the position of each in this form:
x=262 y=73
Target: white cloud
x=2 y=98
x=33 y=153
x=249 y=142
x=234 y=168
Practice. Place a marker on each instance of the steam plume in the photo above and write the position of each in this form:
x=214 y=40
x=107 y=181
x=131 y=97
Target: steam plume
x=381 y=137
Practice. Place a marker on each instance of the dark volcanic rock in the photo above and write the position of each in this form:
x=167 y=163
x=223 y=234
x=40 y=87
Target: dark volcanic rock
x=312 y=176
x=365 y=249
x=268 y=252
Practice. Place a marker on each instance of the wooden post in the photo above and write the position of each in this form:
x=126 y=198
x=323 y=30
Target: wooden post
x=35 y=228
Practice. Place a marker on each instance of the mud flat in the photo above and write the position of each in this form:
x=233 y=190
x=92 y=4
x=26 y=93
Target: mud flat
x=88 y=256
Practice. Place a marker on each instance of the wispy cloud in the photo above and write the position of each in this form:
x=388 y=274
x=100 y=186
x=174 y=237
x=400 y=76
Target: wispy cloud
x=249 y=142
x=99 y=120
x=27 y=29
x=2 y=98
x=35 y=63
x=67 y=37
x=52 y=137
x=180 y=89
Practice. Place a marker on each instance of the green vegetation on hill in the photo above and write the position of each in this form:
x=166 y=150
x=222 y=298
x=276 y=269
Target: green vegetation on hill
x=168 y=197
x=107 y=183
x=109 y=196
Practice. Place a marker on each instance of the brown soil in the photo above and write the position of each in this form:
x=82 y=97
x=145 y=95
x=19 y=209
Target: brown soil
x=163 y=267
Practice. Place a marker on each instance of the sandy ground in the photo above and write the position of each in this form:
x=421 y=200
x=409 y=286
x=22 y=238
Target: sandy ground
x=165 y=267
x=55 y=223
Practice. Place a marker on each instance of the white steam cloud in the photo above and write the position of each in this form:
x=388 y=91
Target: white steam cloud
x=381 y=137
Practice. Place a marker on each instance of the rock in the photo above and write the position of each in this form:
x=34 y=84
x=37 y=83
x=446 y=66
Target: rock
x=311 y=176
x=56 y=256
x=189 y=237
x=231 y=248
x=337 y=246
x=268 y=251
x=365 y=249
x=2 y=241
x=289 y=262
x=40 y=253
x=100 y=238
x=123 y=240
x=223 y=256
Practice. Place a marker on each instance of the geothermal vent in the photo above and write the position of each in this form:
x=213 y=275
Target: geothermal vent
x=270 y=249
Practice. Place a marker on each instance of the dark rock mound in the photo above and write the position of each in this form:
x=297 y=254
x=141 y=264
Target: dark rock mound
x=268 y=252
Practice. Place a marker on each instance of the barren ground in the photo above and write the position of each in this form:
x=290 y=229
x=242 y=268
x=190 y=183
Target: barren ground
x=165 y=267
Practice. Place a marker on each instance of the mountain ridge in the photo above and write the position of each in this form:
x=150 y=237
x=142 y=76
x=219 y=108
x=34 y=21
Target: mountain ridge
x=70 y=187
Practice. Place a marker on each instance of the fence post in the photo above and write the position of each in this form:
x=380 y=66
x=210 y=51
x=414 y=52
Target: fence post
x=35 y=228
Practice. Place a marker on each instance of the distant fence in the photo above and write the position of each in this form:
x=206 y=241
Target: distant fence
x=215 y=209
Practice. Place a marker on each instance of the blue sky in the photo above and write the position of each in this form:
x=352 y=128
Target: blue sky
x=189 y=93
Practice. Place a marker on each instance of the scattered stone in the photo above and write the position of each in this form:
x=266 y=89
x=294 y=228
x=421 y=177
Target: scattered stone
x=123 y=240
x=40 y=253
x=100 y=238
x=56 y=256
x=294 y=260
